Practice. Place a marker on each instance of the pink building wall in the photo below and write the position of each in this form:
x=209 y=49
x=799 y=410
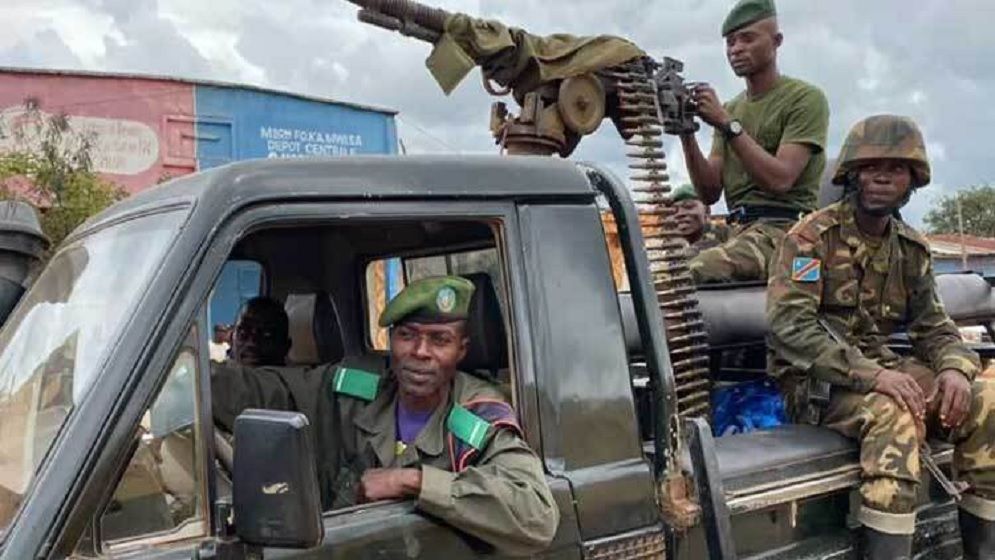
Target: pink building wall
x=143 y=128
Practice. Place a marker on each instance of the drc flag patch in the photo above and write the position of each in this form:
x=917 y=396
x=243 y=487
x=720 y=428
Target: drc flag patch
x=805 y=269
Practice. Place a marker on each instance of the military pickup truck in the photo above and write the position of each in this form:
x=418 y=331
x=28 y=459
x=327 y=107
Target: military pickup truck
x=107 y=448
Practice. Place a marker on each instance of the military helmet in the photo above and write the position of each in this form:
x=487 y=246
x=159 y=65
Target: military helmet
x=884 y=137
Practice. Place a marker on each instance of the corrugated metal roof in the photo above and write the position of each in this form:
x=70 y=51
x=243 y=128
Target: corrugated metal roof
x=950 y=244
x=191 y=81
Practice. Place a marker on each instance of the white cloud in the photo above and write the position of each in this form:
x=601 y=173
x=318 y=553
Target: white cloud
x=930 y=60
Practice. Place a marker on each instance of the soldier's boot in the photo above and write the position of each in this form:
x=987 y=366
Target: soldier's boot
x=885 y=546
x=977 y=533
x=886 y=535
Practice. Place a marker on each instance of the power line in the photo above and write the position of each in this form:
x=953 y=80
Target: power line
x=440 y=141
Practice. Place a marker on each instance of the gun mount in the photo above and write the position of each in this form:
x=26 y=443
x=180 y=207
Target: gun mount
x=562 y=83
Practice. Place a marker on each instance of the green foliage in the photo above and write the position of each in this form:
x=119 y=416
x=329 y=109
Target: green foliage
x=51 y=167
x=978 y=207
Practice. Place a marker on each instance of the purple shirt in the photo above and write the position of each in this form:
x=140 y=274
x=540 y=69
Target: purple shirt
x=410 y=423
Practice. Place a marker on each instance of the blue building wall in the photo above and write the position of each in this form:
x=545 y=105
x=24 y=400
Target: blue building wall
x=234 y=124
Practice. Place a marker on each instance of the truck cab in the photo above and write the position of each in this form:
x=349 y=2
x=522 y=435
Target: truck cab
x=107 y=444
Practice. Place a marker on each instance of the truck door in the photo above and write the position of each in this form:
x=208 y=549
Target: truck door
x=332 y=251
x=160 y=503
x=589 y=424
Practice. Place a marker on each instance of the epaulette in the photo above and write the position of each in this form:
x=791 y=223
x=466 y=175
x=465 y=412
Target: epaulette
x=467 y=426
x=471 y=423
x=353 y=377
x=812 y=226
x=357 y=383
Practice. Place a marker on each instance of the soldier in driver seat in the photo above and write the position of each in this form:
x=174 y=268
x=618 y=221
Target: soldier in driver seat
x=412 y=426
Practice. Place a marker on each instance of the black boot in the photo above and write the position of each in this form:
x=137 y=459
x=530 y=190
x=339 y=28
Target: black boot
x=884 y=546
x=978 y=536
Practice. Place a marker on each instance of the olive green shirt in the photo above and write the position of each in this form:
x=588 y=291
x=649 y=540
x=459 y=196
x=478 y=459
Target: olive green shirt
x=826 y=277
x=793 y=112
x=501 y=498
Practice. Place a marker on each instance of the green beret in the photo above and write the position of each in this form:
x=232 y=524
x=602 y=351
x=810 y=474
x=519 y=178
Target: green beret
x=746 y=12
x=684 y=192
x=439 y=299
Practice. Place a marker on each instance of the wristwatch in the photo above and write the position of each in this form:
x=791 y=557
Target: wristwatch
x=732 y=129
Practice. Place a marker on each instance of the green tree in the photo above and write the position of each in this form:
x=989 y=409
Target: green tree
x=977 y=205
x=49 y=163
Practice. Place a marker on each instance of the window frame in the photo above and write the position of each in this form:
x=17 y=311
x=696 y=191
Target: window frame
x=181 y=536
x=263 y=288
x=499 y=282
x=502 y=217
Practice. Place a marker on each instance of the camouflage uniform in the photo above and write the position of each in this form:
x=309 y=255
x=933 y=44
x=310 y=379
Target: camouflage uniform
x=830 y=278
x=742 y=257
x=715 y=234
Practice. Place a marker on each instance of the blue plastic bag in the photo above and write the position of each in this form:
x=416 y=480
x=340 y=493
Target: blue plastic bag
x=744 y=407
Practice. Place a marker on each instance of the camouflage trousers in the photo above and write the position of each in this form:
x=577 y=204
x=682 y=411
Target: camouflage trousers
x=889 y=441
x=744 y=257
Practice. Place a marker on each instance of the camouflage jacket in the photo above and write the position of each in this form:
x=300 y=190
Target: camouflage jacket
x=496 y=491
x=715 y=234
x=827 y=276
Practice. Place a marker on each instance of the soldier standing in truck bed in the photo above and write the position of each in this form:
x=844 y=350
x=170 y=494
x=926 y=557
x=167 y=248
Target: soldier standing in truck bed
x=767 y=150
x=844 y=280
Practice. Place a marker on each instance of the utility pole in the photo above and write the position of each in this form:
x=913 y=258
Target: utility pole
x=960 y=228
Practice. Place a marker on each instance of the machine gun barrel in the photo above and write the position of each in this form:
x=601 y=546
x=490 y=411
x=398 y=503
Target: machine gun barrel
x=408 y=18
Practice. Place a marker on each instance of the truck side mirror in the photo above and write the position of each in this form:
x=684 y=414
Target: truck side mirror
x=275 y=486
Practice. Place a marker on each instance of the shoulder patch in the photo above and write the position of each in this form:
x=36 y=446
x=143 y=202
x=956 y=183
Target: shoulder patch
x=467 y=426
x=356 y=383
x=806 y=269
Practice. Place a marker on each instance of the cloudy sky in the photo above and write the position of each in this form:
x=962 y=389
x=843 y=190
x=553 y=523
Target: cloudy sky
x=931 y=59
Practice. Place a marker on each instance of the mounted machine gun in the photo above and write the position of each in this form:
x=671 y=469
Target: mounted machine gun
x=565 y=86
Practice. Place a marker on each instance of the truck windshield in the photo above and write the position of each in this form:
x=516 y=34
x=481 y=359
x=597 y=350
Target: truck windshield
x=54 y=344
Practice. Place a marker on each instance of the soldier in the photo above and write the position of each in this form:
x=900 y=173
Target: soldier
x=844 y=280
x=694 y=222
x=261 y=334
x=414 y=428
x=767 y=150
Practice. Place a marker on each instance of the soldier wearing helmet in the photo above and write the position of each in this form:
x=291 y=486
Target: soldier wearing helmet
x=847 y=277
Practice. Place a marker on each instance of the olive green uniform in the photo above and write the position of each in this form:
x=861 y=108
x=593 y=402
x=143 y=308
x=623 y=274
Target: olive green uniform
x=863 y=290
x=501 y=498
x=792 y=112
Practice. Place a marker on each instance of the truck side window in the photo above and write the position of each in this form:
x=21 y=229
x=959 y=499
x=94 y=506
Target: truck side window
x=161 y=498
x=240 y=281
x=355 y=267
x=619 y=273
x=386 y=277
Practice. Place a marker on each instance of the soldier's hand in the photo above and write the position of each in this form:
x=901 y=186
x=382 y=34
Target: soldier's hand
x=903 y=388
x=710 y=109
x=388 y=484
x=952 y=395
